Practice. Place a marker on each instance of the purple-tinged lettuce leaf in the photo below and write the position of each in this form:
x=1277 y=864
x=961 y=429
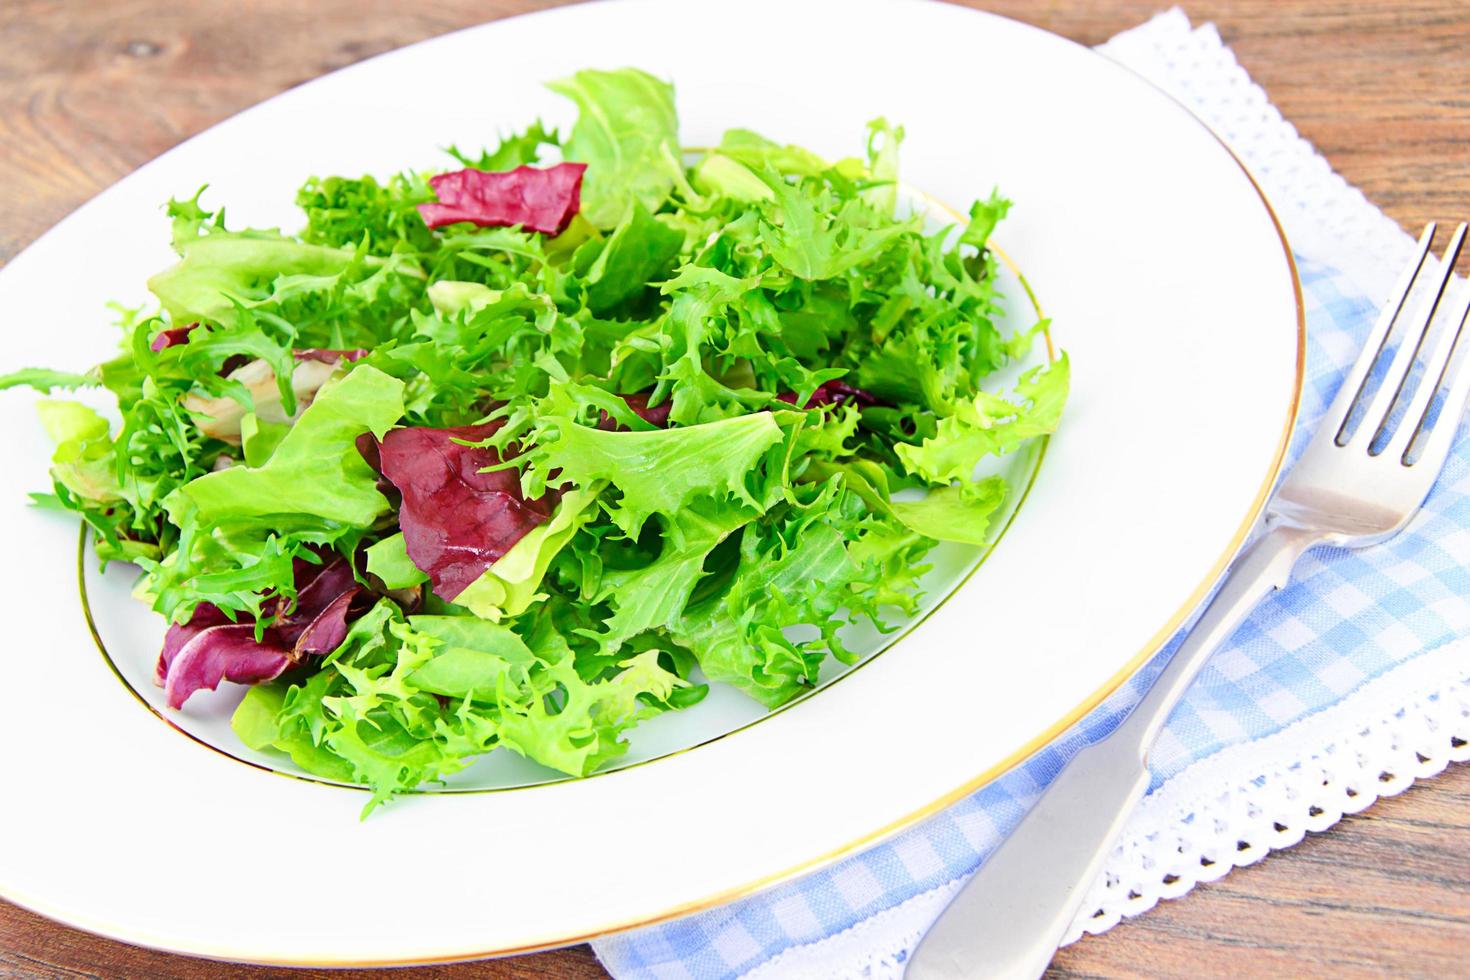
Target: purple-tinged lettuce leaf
x=456 y=520
x=325 y=596
x=211 y=647
x=171 y=337
x=532 y=198
x=510 y=585
x=208 y=649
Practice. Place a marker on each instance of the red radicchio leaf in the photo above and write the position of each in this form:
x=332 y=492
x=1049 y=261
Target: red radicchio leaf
x=210 y=648
x=324 y=596
x=171 y=337
x=456 y=521
x=232 y=364
x=328 y=629
x=205 y=616
x=196 y=657
x=535 y=199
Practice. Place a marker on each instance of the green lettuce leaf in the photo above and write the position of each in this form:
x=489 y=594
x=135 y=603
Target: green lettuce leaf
x=580 y=731
x=388 y=560
x=800 y=574
x=259 y=438
x=218 y=269
x=883 y=141
x=46 y=380
x=472 y=659
x=516 y=150
x=988 y=425
x=640 y=250
x=508 y=587
x=815 y=238
x=757 y=153
x=316 y=473
x=627 y=132
x=722 y=175
x=344 y=212
x=955 y=513
x=654 y=596
x=309 y=295
x=984 y=216
x=451 y=298
x=660 y=472
x=84 y=461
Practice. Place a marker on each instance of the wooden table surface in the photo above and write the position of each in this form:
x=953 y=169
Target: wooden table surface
x=89 y=91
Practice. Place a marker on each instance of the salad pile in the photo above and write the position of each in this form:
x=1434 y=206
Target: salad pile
x=518 y=455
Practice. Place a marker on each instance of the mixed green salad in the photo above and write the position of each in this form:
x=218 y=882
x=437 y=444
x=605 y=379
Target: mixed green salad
x=523 y=453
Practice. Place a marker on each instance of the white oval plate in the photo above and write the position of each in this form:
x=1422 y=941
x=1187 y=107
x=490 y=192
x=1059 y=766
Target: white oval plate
x=1168 y=281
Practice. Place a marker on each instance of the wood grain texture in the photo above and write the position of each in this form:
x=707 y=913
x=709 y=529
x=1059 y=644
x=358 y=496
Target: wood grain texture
x=89 y=91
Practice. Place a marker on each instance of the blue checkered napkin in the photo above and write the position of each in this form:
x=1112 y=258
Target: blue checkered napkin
x=1348 y=617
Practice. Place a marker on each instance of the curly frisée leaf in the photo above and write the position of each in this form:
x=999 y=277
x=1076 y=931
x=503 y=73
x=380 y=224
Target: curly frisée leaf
x=954 y=513
x=84 y=461
x=798 y=575
x=219 y=269
x=987 y=425
x=659 y=472
x=408 y=700
x=654 y=596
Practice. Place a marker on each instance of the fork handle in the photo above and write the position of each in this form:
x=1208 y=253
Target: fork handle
x=1010 y=917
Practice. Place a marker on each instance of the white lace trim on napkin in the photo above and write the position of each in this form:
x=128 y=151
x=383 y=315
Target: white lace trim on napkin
x=1234 y=807
x=1225 y=811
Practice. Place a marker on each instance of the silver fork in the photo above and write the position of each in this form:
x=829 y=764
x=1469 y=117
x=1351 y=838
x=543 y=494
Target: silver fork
x=1350 y=489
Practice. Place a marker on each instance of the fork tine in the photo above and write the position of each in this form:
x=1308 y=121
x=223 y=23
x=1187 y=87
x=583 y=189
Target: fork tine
x=1352 y=385
x=1442 y=435
x=1434 y=374
x=1376 y=417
